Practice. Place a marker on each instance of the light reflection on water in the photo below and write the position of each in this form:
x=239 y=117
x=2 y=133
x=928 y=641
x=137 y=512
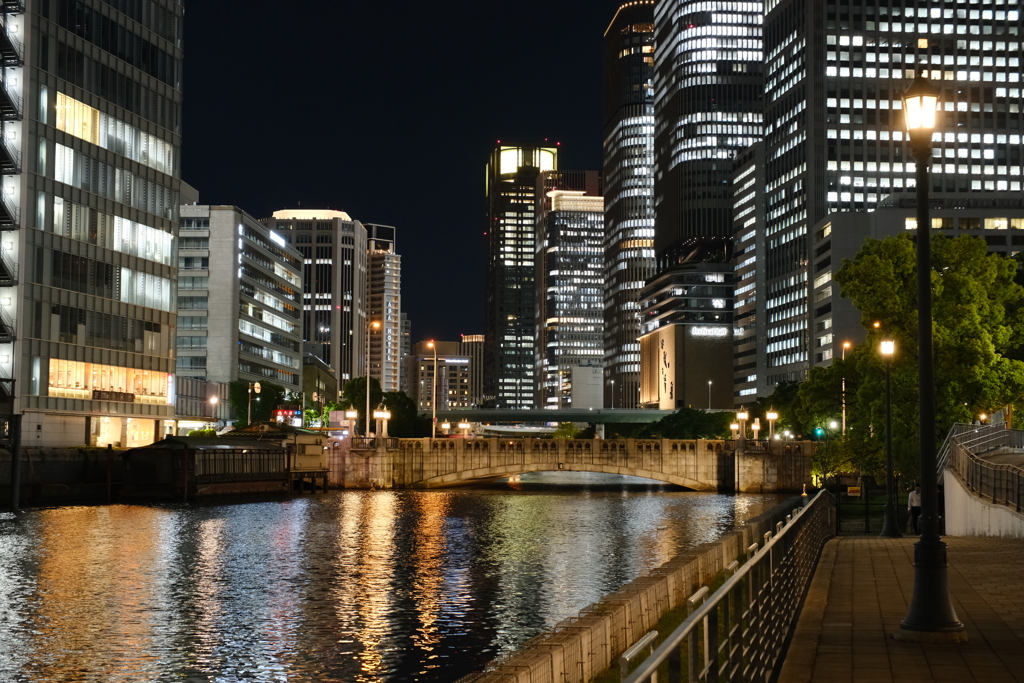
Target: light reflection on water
x=350 y=586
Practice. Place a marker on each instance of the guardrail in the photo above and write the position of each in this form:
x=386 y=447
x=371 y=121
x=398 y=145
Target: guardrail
x=979 y=432
x=372 y=442
x=739 y=632
x=1001 y=484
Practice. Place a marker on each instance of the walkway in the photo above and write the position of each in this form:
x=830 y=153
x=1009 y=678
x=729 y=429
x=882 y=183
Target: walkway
x=860 y=593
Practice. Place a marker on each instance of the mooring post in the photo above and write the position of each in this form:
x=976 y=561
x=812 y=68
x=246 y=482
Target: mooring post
x=14 y=425
x=110 y=470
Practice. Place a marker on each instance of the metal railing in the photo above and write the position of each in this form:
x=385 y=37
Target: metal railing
x=980 y=432
x=740 y=630
x=1002 y=484
x=372 y=442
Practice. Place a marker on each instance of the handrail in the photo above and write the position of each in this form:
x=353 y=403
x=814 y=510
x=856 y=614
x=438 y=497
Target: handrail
x=958 y=428
x=1002 y=484
x=758 y=606
x=9 y=265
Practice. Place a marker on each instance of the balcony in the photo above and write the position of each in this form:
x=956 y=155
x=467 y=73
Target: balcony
x=10 y=157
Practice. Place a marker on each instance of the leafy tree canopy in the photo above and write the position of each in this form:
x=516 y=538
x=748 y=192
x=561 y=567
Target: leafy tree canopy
x=978 y=329
x=271 y=395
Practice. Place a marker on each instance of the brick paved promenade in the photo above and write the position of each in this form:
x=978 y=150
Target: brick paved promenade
x=860 y=593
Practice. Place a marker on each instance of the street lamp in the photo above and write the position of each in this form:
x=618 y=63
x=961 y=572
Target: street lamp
x=433 y=394
x=253 y=386
x=369 y=326
x=382 y=415
x=931 y=612
x=709 y=394
x=213 y=409
x=741 y=417
x=735 y=427
x=772 y=417
x=613 y=393
x=846 y=345
x=890 y=527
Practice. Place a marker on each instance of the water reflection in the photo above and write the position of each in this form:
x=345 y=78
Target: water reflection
x=349 y=586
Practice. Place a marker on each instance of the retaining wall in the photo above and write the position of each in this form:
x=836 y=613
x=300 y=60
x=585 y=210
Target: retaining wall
x=580 y=648
x=968 y=515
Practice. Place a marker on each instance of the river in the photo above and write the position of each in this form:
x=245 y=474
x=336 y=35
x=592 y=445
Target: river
x=367 y=586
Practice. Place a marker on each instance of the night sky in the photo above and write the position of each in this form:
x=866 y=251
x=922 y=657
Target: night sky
x=388 y=111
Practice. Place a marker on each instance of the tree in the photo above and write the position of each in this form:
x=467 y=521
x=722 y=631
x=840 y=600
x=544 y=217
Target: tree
x=565 y=430
x=354 y=392
x=978 y=329
x=690 y=423
x=271 y=395
x=405 y=422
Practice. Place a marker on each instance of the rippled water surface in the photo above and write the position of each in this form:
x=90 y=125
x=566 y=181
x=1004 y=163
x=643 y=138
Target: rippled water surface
x=345 y=586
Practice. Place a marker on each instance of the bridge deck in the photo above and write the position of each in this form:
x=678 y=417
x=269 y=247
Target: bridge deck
x=860 y=594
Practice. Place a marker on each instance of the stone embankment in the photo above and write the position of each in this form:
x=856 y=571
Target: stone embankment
x=580 y=648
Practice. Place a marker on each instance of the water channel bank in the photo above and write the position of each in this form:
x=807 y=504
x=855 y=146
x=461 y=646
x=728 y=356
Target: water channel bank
x=348 y=586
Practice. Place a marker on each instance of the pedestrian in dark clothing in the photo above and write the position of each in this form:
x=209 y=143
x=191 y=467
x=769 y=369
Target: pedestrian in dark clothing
x=914 y=505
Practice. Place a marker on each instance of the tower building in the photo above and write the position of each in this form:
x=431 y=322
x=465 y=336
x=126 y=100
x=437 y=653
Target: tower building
x=90 y=156
x=628 y=193
x=334 y=253
x=385 y=298
x=835 y=141
x=570 y=291
x=511 y=193
x=708 y=98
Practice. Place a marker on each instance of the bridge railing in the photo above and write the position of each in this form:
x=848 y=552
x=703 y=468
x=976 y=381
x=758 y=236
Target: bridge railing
x=1002 y=484
x=740 y=630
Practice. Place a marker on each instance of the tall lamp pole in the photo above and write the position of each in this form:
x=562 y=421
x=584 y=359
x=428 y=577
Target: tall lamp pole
x=846 y=345
x=931 y=615
x=890 y=527
x=253 y=386
x=709 y=394
x=433 y=395
x=369 y=325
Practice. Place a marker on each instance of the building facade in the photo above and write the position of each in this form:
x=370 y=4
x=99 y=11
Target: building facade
x=686 y=344
x=404 y=350
x=570 y=283
x=90 y=159
x=385 y=304
x=472 y=347
x=239 y=300
x=453 y=376
x=835 y=139
x=511 y=196
x=628 y=192
x=333 y=247
x=708 y=97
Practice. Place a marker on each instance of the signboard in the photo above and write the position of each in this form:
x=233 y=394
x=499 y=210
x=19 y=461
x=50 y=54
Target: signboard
x=853 y=491
x=113 y=396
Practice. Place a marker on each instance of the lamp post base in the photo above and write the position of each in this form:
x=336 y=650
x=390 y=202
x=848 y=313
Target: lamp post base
x=944 y=636
x=890 y=528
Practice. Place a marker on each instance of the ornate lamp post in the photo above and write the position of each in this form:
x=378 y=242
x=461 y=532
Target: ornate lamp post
x=741 y=417
x=433 y=395
x=253 y=386
x=772 y=416
x=890 y=527
x=369 y=326
x=931 y=615
x=213 y=409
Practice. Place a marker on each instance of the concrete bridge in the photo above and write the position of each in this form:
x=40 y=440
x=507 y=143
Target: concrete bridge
x=701 y=465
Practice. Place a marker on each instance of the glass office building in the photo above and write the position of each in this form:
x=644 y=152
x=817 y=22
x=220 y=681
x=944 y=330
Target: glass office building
x=91 y=107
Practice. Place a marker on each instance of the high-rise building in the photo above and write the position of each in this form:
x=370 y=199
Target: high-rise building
x=835 y=138
x=453 y=376
x=472 y=347
x=239 y=300
x=334 y=252
x=748 y=249
x=628 y=192
x=511 y=192
x=569 y=276
x=404 y=351
x=708 y=97
x=385 y=299
x=91 y=109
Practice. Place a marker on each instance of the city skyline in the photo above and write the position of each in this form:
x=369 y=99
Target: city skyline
x=343 y=147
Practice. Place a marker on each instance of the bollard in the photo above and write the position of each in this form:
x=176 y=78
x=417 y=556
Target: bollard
x=14 y=425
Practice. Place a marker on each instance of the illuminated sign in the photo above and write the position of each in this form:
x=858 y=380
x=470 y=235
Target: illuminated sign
x=709 y=331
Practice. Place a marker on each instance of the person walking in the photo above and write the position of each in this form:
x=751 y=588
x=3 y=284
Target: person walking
x=914 y=506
